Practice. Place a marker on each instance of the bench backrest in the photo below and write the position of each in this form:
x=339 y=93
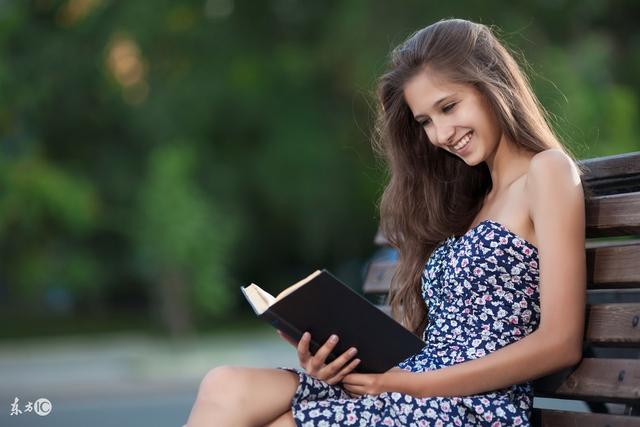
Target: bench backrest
x=608 y=377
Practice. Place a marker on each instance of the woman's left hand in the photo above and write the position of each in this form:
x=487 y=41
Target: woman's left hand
x=358 y=384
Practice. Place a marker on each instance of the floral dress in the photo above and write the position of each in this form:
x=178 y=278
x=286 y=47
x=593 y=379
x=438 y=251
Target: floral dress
x=482 y=291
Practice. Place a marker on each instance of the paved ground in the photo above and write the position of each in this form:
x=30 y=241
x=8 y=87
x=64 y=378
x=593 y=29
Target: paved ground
x=128 y=380
x=124 y=379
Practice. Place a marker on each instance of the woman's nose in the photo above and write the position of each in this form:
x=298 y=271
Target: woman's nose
x=444 y=135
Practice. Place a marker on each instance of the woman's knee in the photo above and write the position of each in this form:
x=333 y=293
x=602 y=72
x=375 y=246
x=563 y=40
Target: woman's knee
x=223 y=382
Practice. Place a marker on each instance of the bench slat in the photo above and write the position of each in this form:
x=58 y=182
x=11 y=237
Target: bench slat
x=378 y=277
x=596 y=380
x=553 y=418
x=613 y=215
x=615 y=266
x=615 y=166
x=613 y=325
x=608 y=243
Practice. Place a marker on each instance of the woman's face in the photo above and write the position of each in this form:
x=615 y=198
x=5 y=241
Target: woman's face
x=450 y=113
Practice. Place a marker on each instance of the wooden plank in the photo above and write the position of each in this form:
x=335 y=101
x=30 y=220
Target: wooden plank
x=552 y=418
x=615 y=266
x=613 y=215
x=606 y=243
x=612 y=174
x=613 y=325
x=379 y=277
x=606 y=167
x=597 y=380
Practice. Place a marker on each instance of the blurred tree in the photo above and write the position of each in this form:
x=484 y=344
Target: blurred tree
x=181 y=238
x=182 y=150
x=46 y=216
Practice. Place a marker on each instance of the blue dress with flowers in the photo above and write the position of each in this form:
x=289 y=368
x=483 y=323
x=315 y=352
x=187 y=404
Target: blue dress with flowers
x=482 y=292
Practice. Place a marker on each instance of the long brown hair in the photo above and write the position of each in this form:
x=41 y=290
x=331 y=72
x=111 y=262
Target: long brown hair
x=431 y=193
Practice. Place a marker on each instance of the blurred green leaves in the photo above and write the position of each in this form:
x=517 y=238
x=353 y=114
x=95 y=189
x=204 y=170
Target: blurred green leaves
x=37 y=192
x=154 y=158
x=44 y=213
x=181 y=232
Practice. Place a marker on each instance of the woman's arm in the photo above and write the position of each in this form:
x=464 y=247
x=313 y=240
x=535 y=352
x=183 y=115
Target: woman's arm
x=539 y=353
x=534 y=356
x=557 y=211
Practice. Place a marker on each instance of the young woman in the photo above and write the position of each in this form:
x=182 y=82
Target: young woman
x=486 y=209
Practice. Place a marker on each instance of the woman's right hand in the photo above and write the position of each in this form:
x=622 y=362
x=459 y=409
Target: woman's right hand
x=315 y=366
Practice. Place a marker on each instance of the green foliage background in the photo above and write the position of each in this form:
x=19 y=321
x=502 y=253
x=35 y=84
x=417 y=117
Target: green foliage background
x=157 y=155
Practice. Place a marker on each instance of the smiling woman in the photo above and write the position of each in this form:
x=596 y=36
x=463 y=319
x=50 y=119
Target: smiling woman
x=460 y=115
x=486 y=209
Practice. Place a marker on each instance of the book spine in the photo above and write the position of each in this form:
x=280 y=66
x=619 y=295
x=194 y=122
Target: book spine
x=286 y=327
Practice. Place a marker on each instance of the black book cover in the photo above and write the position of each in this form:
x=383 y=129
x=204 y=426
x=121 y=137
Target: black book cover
x=324 y=306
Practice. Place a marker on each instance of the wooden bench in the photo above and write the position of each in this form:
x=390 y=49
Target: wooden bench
x=608 y=377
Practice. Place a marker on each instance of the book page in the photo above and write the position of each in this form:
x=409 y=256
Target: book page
x=259 y=299
x=295 y=286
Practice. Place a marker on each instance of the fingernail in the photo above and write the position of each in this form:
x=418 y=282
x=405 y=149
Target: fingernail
x=334 y=338
x=357 y=361
x=353 y=351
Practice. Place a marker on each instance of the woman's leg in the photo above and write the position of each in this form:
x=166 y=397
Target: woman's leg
x=284 y=420
x=237 y=396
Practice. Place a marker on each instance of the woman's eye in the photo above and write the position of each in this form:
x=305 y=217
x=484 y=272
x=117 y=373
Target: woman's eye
x=445 y=109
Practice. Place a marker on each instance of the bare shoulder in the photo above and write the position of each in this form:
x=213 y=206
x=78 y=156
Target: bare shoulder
x=552 y=179
x=552 y=161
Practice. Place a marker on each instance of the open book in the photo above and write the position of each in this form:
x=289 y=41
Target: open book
x=322 y=305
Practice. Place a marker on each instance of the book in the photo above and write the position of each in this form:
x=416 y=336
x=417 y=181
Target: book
x=323 y=305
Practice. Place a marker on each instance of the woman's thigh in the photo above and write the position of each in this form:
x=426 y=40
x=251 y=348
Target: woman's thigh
x=258 y=395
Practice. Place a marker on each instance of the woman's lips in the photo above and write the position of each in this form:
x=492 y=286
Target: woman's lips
x=466 y=148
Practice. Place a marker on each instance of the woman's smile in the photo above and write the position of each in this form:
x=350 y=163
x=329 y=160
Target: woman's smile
x=463 y=146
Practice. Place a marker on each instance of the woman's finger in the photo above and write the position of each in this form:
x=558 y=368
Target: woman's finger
x=319 y=358
x=338 y=364
x=303 y=348
x=350 y=367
